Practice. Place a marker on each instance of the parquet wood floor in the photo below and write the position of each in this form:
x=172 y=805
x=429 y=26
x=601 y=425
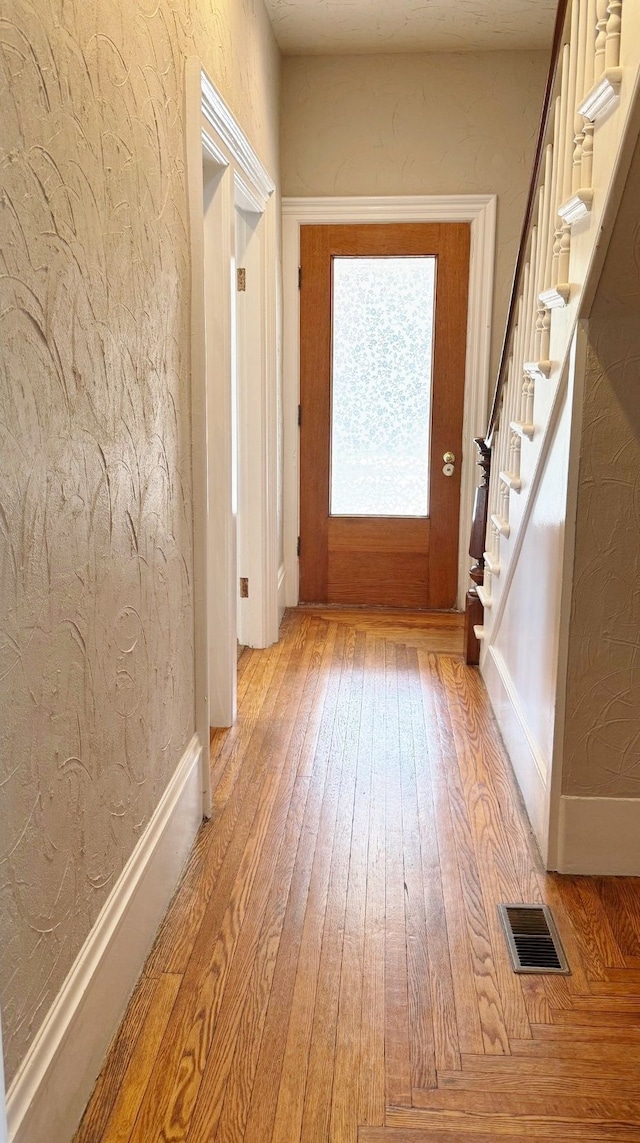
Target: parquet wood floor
x=332 y=966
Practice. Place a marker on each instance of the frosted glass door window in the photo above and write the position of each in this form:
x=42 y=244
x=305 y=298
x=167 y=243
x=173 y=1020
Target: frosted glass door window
x=383 y=311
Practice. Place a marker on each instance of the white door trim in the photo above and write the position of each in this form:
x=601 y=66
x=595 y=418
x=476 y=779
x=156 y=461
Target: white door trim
x=257 y=413
x=219 y=151
x=480 y=211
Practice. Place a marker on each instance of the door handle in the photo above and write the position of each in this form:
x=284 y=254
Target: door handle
x=447 y=468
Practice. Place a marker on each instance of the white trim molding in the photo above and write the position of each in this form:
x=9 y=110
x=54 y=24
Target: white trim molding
x=480 y=211
x=577 y=207
x=603 y=96
x=599 y=836
x=527 y=762
x=557 y=297
x=231 y=134
x=513 y=483
x=522 y=429
x=484 y=597
x=537 y=370
x=213 y=153
x=502 y=525
x=227 y=184
x=49 y=1093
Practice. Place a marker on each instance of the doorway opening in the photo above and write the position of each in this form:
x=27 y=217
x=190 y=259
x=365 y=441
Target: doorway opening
x=383 y=311
x=479 y=211
x=234 y=395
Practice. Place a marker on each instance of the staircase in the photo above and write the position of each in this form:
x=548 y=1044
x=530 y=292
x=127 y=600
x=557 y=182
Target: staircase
x=519 y=609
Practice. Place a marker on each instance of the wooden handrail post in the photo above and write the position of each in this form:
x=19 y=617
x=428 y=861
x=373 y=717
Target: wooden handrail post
x=474 y=610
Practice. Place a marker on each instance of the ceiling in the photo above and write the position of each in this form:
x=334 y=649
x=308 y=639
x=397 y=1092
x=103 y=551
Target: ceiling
x=361 y=27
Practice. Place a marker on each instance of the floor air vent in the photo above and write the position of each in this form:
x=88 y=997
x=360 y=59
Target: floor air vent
x=533 y=939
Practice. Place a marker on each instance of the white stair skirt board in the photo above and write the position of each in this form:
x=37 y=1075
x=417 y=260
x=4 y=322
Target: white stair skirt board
x=50 y=1091
x=599 y=836
x=526 y=761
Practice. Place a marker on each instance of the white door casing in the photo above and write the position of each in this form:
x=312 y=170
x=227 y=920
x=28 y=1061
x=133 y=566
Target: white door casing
x=225 y=176
x=480 y=212
x=256 y=534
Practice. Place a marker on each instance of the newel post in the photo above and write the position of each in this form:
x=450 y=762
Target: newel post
x=474 y=610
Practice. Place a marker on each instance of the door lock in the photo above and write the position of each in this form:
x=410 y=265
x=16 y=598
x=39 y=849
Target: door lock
x=447 y=468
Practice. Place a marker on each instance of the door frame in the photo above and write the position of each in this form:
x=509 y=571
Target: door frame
x=220 y=157
x=480 y=211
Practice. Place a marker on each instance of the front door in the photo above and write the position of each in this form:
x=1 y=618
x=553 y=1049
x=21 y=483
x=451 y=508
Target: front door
x=382 y=363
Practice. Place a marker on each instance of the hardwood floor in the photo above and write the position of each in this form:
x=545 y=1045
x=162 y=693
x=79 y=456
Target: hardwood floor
x=332 y=967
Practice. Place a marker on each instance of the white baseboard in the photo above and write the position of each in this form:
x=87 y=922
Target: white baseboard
x=528 y=765
x=4 y=1129
x=50 y=1091
x=282 y=592
x=599 y=836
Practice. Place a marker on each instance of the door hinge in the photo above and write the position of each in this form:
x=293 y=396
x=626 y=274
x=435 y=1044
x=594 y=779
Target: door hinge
x=241 y=279
x=299 y=414
x=298 y=546
x=244 y=587
x=299 y=277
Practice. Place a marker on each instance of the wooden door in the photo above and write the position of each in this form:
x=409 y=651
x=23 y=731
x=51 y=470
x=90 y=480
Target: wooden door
x=391 y=559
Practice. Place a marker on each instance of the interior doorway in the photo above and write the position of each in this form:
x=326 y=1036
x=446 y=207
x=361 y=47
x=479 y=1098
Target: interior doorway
x=383 y=313
x=234 y=414
x=479 y=211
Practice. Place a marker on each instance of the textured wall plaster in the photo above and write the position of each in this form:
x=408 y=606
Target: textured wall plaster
x=418 y=124
x=96 y=593
x=602 y=732
x=315 y=27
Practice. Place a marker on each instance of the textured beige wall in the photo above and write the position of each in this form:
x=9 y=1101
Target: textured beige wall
x=602 y=732
x=417 y=124
x=96 y=586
